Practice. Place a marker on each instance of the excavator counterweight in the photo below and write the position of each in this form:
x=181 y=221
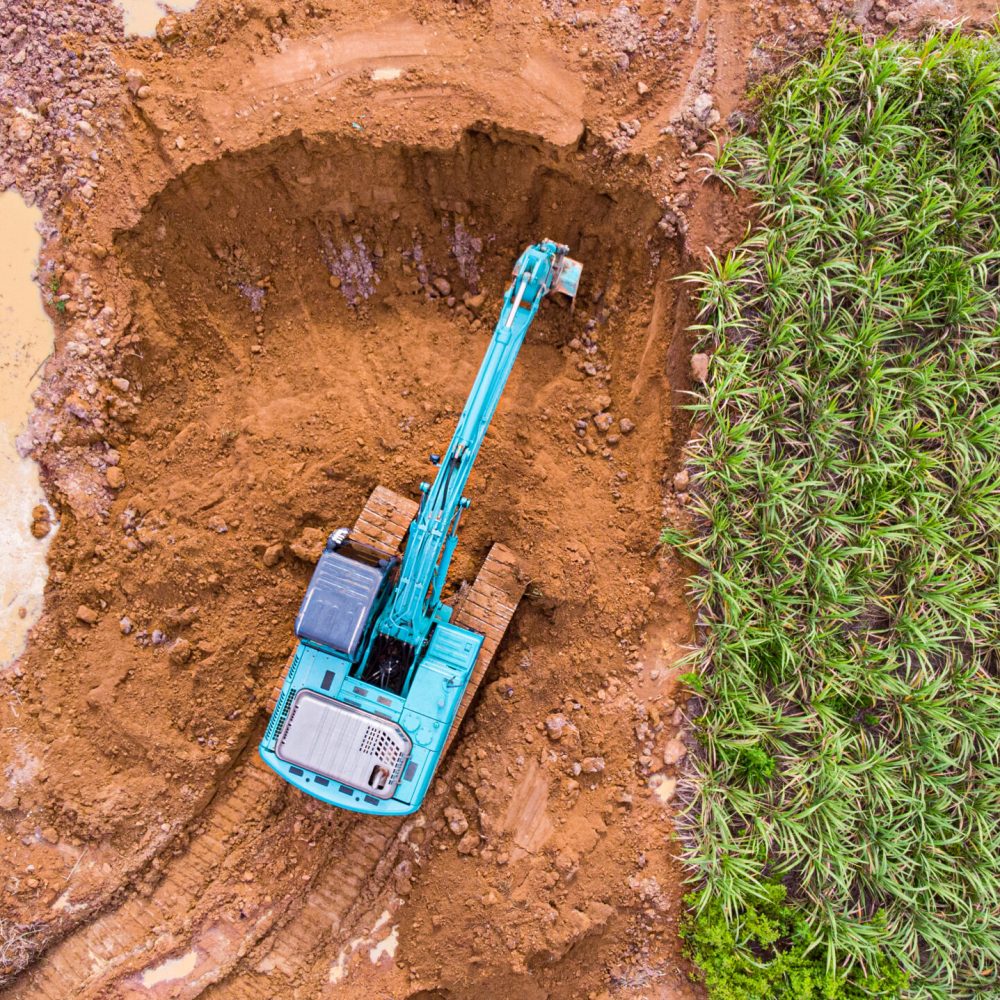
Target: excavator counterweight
x=384 y=669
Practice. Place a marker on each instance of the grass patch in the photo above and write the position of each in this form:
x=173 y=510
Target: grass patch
x=767 y=955
x=847 y=483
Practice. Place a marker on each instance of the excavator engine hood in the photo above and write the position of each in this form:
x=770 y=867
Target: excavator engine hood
x=344 y=744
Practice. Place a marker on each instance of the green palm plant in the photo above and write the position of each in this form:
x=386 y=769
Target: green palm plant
x=847 y=490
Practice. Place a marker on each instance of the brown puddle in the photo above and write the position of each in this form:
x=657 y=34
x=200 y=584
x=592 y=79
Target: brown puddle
x=26 y=340
x=141 y=16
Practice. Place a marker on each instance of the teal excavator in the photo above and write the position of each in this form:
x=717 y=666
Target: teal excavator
x=383 y=669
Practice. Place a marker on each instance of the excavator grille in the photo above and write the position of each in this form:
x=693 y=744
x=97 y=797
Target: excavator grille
x=344 y=744
x=378 y=743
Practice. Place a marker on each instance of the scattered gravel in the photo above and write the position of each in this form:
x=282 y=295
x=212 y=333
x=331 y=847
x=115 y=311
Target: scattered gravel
x=465 y=248
x=50 y=88
x=354 y=265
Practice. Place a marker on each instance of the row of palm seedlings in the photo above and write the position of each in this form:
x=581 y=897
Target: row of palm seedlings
x=844 y=822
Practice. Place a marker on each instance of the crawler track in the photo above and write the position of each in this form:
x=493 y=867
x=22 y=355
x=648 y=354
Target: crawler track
x=241 y=948
x=384 y=521
x=487 y=608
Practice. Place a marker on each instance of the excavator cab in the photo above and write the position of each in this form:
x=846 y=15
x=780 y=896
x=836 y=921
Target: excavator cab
x=347 y=591
x=348 y=587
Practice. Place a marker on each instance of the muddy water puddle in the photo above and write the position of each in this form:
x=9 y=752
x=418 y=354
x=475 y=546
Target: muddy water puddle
x=25 y=342
x=141 y=16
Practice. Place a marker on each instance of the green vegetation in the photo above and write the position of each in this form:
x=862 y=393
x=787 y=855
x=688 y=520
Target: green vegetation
x=847 y=481
x=55 y=283
x=766 y=956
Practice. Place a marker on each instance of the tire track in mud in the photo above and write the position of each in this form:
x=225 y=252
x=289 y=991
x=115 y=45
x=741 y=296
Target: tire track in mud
x=194 y=921
x=312 y=69
x=303 y=950
x=116 y=943
x=198 y=932
x=129 y=948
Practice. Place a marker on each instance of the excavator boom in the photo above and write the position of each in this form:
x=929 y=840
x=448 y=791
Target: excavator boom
x=411 y=613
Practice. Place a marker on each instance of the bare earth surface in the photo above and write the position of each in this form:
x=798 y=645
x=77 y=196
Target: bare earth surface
x=281 y=232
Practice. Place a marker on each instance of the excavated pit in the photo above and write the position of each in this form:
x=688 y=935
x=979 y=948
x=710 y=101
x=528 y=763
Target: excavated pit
x=305 y=332
x=307 y=318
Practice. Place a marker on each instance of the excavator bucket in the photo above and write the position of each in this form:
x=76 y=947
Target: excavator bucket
x=567 y=279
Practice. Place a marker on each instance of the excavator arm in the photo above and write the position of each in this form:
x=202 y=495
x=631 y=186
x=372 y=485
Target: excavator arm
x=416 y=603
x=383 y=672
